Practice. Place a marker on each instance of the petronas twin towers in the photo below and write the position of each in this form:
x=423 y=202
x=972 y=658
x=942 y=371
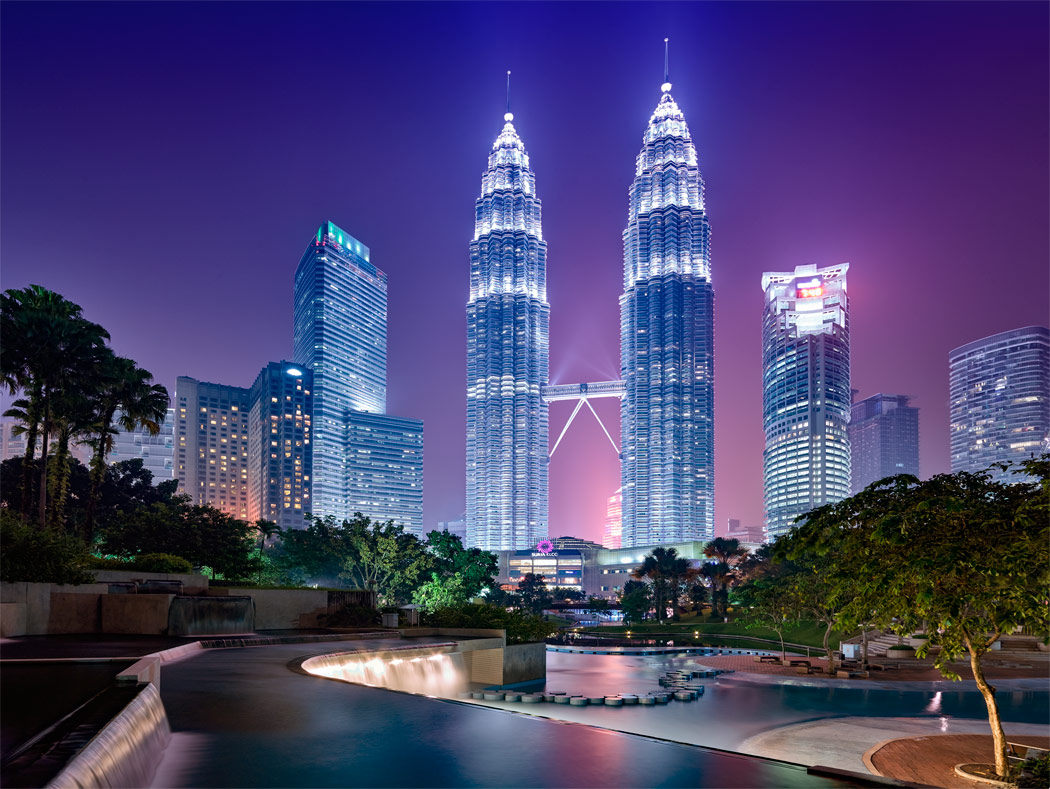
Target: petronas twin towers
x=666 y=346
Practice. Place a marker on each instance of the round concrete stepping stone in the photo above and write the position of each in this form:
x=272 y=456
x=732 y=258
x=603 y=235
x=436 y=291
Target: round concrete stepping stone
x=579 y=701
x=465 y=694
x=493 y=696
x=532 y=698
x=555 y=692
x=596 y=699
x=613 y=701
x=477 y=694
x=662 y=698
x=562 y=699
x=647 y=700
x=629 y=698
x=512 y=696
x=683 y=695
x=549 y=697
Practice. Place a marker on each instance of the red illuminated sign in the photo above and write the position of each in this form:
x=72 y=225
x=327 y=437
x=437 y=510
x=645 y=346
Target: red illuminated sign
x=809 y=293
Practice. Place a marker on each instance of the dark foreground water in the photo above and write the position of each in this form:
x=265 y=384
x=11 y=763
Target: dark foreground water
x=242 y=718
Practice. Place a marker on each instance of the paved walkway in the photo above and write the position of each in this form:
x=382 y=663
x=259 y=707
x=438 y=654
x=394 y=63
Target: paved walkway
x=931 y=760
x=242 y=718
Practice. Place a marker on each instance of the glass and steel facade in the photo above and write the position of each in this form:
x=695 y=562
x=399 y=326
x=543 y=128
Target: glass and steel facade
x=385 y=468
x=883 y=439
x=612 y=533
x=340 y=335
x=211 y=444
x=279 y=445
x=667 y=342
x=157 y=453
x=508 y=321
x=805 y=392
x=999 y=400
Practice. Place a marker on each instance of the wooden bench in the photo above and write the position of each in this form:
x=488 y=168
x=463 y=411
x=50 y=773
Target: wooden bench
x=798 y=662
x=1018 y=752
x=767 y=659
x=852 y=674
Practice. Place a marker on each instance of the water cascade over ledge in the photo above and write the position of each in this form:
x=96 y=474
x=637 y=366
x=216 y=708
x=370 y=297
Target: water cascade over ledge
x=211 y=616
x=431 y=671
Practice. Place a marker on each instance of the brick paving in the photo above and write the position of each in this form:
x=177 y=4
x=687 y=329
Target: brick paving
x=1016 y=667
x=932 y=760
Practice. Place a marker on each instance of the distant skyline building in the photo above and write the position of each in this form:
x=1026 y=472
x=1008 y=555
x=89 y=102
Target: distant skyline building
x=12 y=446
x=457 y=527
x=667 y=341
x=340 y=335
x=748 y=534
x=279 y=445
x=999 y=400
x=805 y=392
x=157 y=453
x=385 y=468
x=883 y=438
x=612 y=533
x=211 y=444
x=508 y=325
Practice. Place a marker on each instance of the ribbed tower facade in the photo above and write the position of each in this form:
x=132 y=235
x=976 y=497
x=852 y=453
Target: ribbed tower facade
x=508 y=322
x=667 y=342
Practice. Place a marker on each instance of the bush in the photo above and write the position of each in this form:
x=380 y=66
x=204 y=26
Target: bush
x=108 y=563
x=906 y=647
x=40 y=555
x=521 y=627
x=1033 y=773
x=161 y=563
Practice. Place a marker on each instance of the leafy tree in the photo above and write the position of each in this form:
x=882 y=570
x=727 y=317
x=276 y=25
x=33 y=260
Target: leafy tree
x=521 y=627
x=386 y=559
x=635 y=602
x=441 y=592
x=40 y=555
x=475 y=569
x=719 y=575
x=598 y=607
x=696 y=592
x=965 y=555
x=501 y=597
x=532 y=590
x=669 y=574
x=770 y=601
x=727 y=554
x=566 y=594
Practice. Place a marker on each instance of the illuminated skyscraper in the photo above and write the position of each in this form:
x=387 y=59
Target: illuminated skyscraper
x=279 y=445
x=157 y=452
x=211 y=444
x=883 y=439
x=508 y=322
x=340 y=336
x=612 y=535
x=805 y=392
x=385 y=466
x=667 y=341
x=999 y=397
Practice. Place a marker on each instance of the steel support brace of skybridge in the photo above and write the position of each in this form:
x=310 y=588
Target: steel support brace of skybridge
x=583 y=394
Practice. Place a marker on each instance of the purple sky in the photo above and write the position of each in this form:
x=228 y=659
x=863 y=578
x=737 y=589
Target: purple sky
x=165 y=165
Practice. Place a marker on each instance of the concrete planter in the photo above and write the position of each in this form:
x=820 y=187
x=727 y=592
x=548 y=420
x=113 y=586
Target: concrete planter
x=897 y=654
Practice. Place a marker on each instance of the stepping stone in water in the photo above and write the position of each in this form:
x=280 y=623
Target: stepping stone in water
x=629 y=699
x=532 y=698
x=647 y=700
x=579 y=701
x=493 y=696
x=613 y=701
x=562 y=699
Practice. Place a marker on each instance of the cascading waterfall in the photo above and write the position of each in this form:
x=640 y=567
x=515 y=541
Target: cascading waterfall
x=211 y=616
x=429 y=673
x=127 y=749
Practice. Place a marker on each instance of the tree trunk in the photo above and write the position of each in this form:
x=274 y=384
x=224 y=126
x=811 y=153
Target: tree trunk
x=43 y=462
x=60 y=481
x=996 y=724
x=827 y=648
x=864 y=646
x=783 y=649
x=32 y=429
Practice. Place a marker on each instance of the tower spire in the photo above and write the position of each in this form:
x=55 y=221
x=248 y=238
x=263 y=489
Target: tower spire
x=667 y=71
x=509 y=116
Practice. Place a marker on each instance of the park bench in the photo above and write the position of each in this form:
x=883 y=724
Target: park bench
x=767 y=659
x=852 y=674
x=1018 y=752
x=799 y=662
x=809 y=669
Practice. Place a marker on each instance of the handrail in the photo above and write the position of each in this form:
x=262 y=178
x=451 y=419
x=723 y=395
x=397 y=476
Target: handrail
x=776 y=642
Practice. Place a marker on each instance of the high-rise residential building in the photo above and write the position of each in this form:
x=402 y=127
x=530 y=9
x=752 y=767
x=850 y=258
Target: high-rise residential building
x=667 y=341
x=340 y=335
x=883 y=439
x=385 y=468
x=211 y=444
x=508 y=321
x=999 y=399
x=753 y=535
x=279 y=445
x=157 y=452
x=612 y=534
x=457 y=527
x=805 y=392
x=14 y=446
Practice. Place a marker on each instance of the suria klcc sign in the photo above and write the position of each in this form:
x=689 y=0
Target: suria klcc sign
x=809 y=289
x=544 y=548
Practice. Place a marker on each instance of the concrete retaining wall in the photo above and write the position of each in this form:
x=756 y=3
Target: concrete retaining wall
x=524 y=662
x=27 y=606
x=139 y=614
x=283 y=609
x=75 y=613
x=192 y=583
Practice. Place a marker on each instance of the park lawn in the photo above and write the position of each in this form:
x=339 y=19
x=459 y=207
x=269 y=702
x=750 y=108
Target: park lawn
x=807 y=633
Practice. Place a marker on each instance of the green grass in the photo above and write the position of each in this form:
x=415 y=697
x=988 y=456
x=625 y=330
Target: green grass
x=806 y=633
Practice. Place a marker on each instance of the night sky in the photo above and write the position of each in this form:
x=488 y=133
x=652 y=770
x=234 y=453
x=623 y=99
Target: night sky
x=165 y=166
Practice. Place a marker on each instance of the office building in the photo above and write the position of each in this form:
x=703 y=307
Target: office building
x=385 y=468
x=805 y=392
x=508 y=321
x=14 y=446
x=999 y=400
x=883 y=439
x=457 y=527
x=279 y=445
x=612 y=533
x=667 y=341
x=211 y=444
x=340 y=336
x=752 y=535
x=157 y=452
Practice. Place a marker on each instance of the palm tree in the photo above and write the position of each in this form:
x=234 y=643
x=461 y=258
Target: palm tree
x=125 y=398
x=725 y=551
x=47 y=345
x=266 y=530
x=667 y=572
x=719 y=574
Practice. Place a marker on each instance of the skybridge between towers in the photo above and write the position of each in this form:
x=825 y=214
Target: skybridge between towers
x=583 y=394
